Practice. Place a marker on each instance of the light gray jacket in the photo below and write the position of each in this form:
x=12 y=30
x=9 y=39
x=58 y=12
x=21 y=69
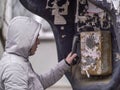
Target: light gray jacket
x=16 y=72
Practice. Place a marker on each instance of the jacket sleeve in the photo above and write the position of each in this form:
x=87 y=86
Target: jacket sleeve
x=54 y=74
x=14 y=78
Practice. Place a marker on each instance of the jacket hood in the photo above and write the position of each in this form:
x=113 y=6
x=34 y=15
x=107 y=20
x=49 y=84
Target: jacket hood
x=22 y=33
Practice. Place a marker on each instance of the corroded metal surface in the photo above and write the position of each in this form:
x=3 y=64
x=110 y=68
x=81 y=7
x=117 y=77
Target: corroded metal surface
x=96 y=53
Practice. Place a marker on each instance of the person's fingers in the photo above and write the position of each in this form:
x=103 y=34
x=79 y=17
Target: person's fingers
x=73 y=56
x=69 y=55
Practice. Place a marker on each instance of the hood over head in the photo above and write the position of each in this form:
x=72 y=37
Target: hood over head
x=21 y=36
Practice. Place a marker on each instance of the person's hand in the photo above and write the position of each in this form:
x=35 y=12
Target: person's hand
x=70 y=58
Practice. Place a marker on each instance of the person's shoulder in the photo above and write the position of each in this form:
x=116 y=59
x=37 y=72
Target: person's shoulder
x=12 y=62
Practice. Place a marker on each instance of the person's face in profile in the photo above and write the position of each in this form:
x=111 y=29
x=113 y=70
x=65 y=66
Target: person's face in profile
x=34 y=47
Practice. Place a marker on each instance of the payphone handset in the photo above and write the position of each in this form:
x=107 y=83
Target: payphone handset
x=75 y=45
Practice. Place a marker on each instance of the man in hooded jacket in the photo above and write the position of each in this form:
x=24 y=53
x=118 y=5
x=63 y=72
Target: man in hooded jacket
x=16 y=72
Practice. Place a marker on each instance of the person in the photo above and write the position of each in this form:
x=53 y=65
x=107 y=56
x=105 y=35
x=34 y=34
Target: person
x=16 y=72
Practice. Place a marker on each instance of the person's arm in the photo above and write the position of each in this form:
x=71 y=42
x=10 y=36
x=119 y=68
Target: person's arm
x=15 y=78
x=57 y=72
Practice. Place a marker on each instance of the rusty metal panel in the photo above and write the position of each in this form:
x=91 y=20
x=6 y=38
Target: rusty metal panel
x=96 y=53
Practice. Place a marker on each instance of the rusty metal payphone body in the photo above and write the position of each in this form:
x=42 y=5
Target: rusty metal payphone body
x=68 y=17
